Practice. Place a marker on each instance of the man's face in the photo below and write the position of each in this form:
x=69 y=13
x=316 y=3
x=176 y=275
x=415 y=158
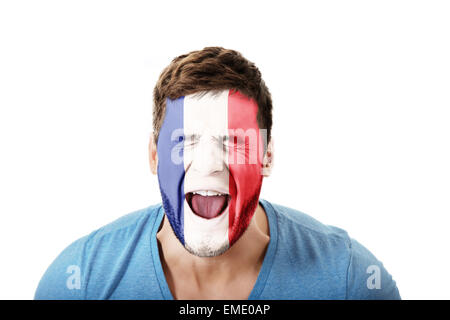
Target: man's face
x=209 y=168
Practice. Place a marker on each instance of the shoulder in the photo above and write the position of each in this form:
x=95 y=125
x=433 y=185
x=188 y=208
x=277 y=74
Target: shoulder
x=329 y=252
x=295 y=226
x=126 y=224
x=118 y=232
x=321 y=249
x=66 y=277
x=367 y=277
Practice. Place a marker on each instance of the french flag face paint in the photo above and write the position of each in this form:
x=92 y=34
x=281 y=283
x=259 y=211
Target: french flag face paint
x=210 y=152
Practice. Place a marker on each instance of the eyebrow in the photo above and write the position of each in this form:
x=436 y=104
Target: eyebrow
x=193 y=136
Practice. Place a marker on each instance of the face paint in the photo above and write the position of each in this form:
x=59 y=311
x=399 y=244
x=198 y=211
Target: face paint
x=209 y=168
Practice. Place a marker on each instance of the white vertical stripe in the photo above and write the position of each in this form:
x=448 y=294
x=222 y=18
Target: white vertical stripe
x=206 y=168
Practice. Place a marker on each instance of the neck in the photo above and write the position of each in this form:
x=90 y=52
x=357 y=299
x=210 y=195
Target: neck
x=246 y=255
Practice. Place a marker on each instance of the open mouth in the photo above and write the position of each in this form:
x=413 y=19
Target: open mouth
x=207 y=204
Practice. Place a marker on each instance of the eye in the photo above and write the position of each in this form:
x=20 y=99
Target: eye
x=191 y=140
x=235 y=141
x=225 y=140
x=180 y=138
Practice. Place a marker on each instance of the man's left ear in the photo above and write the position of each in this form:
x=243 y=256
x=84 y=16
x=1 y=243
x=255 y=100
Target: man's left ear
x=268 y=160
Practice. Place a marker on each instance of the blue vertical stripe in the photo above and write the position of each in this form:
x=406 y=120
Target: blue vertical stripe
x=171 y=165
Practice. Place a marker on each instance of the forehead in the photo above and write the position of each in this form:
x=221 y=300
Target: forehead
x=206 y=112
x=214 y=112
x=217 y=112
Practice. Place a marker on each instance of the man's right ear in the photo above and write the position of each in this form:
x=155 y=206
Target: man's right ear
x=268 y=160
x=153 y=154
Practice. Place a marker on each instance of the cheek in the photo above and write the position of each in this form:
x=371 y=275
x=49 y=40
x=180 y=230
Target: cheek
x=245 y=168
x=247 y=180
x=246 y=177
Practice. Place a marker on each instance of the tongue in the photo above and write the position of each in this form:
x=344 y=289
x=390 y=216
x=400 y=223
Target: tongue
x=208 y=207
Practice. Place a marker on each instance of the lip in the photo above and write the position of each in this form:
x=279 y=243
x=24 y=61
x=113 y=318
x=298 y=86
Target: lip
x=217 y=190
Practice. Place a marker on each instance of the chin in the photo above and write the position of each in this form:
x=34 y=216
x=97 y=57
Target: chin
x=206 y=250
x=205 y=237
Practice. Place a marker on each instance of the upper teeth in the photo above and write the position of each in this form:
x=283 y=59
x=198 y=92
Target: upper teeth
x=207 y=193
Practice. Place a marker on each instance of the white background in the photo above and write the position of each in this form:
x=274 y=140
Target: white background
x=361 y=93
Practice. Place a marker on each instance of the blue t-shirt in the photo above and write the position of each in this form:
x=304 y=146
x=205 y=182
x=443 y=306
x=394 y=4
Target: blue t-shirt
x=305 y=259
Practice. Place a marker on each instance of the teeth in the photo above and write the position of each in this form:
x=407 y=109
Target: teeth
x=208 y=193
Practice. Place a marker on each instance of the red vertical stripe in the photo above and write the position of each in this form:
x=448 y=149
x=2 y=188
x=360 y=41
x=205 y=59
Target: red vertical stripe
x=245 y=178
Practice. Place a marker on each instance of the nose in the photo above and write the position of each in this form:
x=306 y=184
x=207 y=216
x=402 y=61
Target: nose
x=208 y=156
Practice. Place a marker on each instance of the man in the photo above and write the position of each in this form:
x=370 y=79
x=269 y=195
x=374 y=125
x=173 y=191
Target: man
x=212 y=237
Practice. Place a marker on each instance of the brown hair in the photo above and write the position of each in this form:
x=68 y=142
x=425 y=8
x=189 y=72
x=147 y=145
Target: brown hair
x=211 y=69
